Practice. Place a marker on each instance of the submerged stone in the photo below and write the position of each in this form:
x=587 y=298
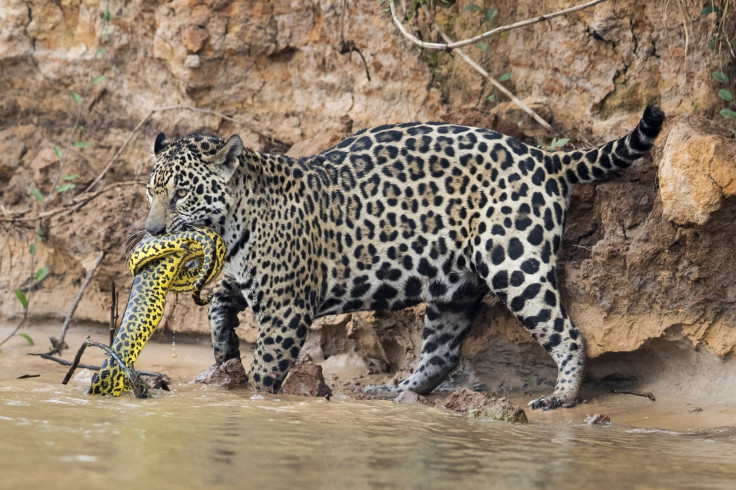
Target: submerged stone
x=598 y=419
x=230 y=374
x=306 y=380
x=480 y=405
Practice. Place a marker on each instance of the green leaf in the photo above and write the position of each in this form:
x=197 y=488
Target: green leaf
x=561 y=142
x=21 y=297
x=491 y=15
x=82 y=144
x=37 y=194
x=32 y=248
x=39 y=234
x=709 y=10
x=728 y=113
x=59 y=153
x=99 y=52
x=504 y=77
x=77 y=98
x=725 y=94
x=712 y=42
x=108 y=15
x=41 y=273
x=79 y=127
x=65 y=187
x=482 y=46
x=27 y=337
x=472 y=8
x=70 y=177
x=720 y=76
x=492 y=98
x=98 y=79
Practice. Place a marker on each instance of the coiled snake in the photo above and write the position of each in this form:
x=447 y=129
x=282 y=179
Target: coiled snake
x=183 y=261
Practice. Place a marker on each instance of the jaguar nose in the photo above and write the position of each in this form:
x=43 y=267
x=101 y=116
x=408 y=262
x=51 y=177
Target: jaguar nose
x=155 y=228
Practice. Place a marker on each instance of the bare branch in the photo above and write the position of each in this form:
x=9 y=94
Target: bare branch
x=77 y=202
x=495 y=83
x=162 y=109
x=57 y=348
x=120 y=150
x=480 y=37
x=20 y=323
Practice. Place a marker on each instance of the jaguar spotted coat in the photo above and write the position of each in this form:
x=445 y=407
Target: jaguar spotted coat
x=390 y=217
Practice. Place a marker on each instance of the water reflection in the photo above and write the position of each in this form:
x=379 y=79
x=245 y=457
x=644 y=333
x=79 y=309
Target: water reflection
x=202 y=436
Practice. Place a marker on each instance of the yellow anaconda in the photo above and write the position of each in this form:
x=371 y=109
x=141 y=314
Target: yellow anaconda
x=183 y=261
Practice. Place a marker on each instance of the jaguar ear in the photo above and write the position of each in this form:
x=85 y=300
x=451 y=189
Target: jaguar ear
x=160 y=144
x=225 y=160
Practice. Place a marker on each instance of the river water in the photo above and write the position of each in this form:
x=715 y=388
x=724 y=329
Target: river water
x=200 y=436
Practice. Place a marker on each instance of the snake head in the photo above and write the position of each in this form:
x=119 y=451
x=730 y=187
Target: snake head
x=190 y=182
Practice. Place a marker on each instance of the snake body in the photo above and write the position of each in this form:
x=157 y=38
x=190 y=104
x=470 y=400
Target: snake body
x=183 y=261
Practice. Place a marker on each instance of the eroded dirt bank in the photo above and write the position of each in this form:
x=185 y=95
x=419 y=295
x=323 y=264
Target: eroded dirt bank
x=647 y=259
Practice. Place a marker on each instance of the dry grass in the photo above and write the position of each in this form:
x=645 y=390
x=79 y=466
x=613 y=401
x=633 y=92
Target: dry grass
x=723 y=33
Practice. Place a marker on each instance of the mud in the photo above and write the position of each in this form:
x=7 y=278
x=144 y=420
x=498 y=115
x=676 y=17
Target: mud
x=682 y=402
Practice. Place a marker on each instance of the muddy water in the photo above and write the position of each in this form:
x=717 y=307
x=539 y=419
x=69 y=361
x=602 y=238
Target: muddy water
x=197 y=436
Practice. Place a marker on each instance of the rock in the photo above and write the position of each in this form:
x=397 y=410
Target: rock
x=306 y=380
x=696 y=173
x=230 y=374
x=480 y=405
x=194 y=38
x=192 y=61
x=598 y=419
x=411 y=398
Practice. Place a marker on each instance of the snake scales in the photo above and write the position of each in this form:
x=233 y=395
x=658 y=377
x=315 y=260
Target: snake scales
x=183 y=261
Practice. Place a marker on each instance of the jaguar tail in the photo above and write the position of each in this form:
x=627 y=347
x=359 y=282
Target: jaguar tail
x=599 y=163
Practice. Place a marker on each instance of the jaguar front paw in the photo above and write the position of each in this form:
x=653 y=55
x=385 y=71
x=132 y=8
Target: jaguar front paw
x=268 y=382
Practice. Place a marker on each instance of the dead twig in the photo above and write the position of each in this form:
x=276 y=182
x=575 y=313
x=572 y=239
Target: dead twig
x=60 y=343
x=648 y=394
x=64 y=362
x=140 y=388
x=348 y=47
x=113 y=312
x=91 y=367
x=20 y=323
x=480 y=37
x=171 y=108
x=496 y=83
x=77 y=202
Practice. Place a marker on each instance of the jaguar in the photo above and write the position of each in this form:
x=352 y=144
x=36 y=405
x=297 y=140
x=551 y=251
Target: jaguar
x=390 y=217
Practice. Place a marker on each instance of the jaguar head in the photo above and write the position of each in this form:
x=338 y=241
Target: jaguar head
x=189 y=183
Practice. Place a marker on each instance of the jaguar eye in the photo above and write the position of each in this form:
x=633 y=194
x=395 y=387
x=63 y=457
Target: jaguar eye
x=181 y=193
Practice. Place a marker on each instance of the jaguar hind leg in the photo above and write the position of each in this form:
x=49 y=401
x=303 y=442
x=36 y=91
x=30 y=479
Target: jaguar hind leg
x=445 y=325
x=529 y=290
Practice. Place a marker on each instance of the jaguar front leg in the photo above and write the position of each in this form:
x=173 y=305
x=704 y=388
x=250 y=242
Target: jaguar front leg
x=227 y=302
x=280 y=339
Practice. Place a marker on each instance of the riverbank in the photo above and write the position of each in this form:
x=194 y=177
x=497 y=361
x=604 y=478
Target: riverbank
x=685 y=400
